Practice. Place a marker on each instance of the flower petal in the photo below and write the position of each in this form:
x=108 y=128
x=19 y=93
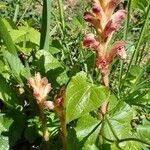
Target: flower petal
x=118 y=18
x=90 y=41
x=111 y=5
x=117 y=49
x=50 y=105
x=89 y=17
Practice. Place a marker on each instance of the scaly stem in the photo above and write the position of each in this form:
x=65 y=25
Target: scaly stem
x=44 y=125
x=60 y=5
x=64 y=132
x=16 y=12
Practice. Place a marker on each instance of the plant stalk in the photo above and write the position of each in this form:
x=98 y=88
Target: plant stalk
x=64 y=133
x=16 y=12
x=60 y=5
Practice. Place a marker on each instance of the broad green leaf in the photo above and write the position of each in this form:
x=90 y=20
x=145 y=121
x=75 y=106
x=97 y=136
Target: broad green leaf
x=85 y=126
x=4 y=128
x=87 y=131
x=47 y=60
x=4 y=34
x=31 y=34
x=143 y=130
x=17 y=35
x=83 y=97
x=7 y=94
x=9 y=24
x=131 y=145
x=120 y=121
x=10 y=129
x=16 y=67
x=16 y=128
x=90 y=147
x=2 y=5
x=62 y=78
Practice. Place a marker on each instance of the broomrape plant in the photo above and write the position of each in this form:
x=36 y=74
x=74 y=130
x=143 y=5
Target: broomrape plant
x=105 y=22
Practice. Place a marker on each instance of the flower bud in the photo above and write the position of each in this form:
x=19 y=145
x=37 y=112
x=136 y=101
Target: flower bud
x=111 y=5
x=118 y=49
x=114 y=3
x=114 y=24
x=96 y=8
x=108 y=30
x=50 y=105
x=103 y=65
x=118 y=18
x=90 y=41
x=89 y=17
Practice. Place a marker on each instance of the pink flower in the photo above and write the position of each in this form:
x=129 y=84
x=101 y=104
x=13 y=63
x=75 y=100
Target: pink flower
x=118 y=49
x=108 y=30
x=50 y=105
x=103 y=65
x=118 y=18
x=114 y=24
x=111 y=5
x=94 y=20
x=40 y=87
x=90 y=41
x=96 y=8
x=89 y=17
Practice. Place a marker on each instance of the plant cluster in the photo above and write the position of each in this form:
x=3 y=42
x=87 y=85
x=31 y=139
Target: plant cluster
x=55 y=94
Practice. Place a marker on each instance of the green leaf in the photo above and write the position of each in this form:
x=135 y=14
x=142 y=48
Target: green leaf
x=83 y=97
x=44 y=41
x=62 y=78
x=47 y=60
x=144 y=130
x=16 y=67
x=90 y=147
x=118 y=121
x=2 y=5
x=87 y=130
x=7 y=94
x=85 y=126
x=16 y=128
x=4 y=34
x=17 y=35
x=4 y=128
x=31 y=34
x=131 y=145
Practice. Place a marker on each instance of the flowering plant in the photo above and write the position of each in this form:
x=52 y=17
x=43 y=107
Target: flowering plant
x=105 y=24
x=51 y=93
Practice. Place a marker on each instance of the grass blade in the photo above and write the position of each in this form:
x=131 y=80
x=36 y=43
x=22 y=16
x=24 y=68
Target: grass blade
x=45 y=32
